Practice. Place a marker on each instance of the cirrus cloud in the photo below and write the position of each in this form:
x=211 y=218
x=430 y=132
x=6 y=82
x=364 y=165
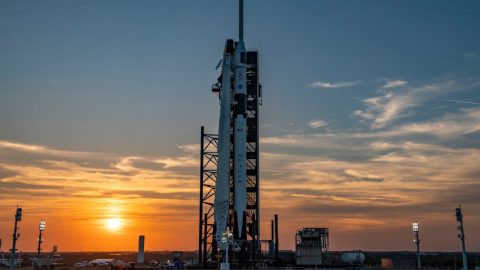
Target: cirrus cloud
x=334 y=85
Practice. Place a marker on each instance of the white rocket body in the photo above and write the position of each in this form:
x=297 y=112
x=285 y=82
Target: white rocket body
x=222 y=191
x=240 y=143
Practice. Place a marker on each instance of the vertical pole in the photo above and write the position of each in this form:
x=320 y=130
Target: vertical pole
x=465 y=267
x=205 y=238
x=458 y=214
x=272 y=247
x=418 y=251
x=201 y=200
x=214 y=241
x=240 y=20
x=276 y=241
x=39 y=242
x=12 y=261
x=226 y=252
x=254 y=242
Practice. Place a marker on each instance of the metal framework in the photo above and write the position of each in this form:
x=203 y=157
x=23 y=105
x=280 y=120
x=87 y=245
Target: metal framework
x=254 y=99
x=208 y=176
x=208 y=170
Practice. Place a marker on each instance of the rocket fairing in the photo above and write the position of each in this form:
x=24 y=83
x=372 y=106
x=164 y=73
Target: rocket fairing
x=240 y=143
x=222 y=192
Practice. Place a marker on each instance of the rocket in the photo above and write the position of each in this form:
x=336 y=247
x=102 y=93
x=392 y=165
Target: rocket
x=240 y=137
x=222 y=191
x=232 y=65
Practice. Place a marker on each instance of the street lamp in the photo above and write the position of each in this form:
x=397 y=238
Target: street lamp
x=40 y=240
x=417 y=241
x=227 y=237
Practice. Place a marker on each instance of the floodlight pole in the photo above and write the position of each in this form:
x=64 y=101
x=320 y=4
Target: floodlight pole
x=417 y=241
x=226 y=237
x=458 y=214
x=418 y=251
x=18 y=217
x=40 y=229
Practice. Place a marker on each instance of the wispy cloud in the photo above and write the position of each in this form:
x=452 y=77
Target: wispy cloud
x=468 y=121
x=392 y=84
x=316 y=123
x=451 y=125
x=382 y=110
x=334 y=85
x=39 y=149
x=470 y=55
x=190 y=148
x=460 y=101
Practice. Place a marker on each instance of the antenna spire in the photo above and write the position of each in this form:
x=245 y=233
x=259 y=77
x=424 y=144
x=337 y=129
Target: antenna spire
x=240 y=32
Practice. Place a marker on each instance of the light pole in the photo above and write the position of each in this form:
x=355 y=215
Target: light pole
x=40 y=240
x=18 y=217
x=458 y=214
x=227 y=237
x=417 y=241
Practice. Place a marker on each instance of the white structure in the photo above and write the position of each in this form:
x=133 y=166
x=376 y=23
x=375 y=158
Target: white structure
x=222 y=192
x=141 y=249
x=312 y=245
x=235 y=65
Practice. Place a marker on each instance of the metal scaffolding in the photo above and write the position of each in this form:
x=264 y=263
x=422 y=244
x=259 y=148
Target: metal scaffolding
x=208 y=176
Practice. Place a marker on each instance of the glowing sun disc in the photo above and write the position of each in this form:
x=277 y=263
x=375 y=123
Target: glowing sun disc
x=113 y=223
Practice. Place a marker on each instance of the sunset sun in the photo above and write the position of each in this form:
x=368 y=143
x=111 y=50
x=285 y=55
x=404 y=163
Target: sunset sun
x=113 y=223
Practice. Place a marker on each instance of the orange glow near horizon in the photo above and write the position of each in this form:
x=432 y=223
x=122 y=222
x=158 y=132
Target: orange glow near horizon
x=94 y=201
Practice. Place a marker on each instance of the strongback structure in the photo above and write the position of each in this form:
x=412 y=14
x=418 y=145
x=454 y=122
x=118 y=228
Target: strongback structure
x=312 y=246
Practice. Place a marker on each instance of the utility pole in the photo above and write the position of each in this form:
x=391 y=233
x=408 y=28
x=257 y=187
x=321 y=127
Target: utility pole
x=417 y=241
x=458 y=214
x=40 y=240
x=18 y=217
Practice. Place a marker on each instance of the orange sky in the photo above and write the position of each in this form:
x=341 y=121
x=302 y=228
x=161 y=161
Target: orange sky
x=77 y=192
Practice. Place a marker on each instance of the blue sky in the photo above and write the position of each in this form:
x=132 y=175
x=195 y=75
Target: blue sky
x=358 y=96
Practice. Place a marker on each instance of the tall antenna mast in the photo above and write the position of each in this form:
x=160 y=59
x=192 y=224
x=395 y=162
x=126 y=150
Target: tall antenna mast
x=240 y=9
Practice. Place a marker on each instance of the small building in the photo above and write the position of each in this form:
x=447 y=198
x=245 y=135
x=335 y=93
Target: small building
x=141 y=249
x=311 y=246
